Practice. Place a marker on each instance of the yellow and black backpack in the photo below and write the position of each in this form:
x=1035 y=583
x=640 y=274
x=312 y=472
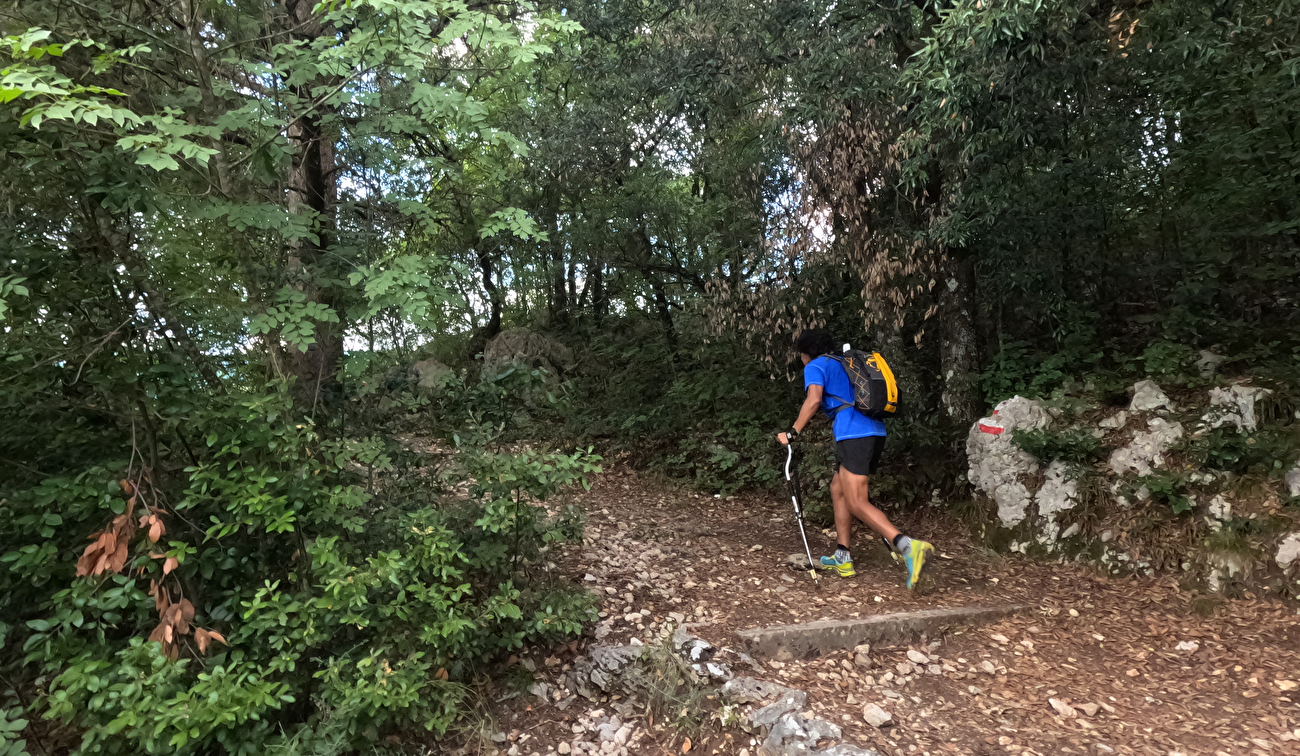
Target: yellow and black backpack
x=875 y=390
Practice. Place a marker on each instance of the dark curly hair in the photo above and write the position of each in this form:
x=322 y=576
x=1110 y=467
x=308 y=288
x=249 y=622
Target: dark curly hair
x=815 y=342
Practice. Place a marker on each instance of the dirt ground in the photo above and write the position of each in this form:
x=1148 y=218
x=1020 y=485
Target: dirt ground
x=1096 y=665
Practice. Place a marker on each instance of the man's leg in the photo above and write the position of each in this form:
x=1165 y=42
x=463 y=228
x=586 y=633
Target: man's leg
x=840 y=561
x=843 y=513
x=854 y=489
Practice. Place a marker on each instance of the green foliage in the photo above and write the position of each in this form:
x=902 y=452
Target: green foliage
x=10 y=286
x=294 y=318
x=1266 y=452
x=379 y=614
x=1169 y=488
x=1076 y=445
x=11 y=727
x=708 y=416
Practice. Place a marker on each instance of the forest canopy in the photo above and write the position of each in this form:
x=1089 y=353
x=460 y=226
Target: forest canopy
x=232 y=227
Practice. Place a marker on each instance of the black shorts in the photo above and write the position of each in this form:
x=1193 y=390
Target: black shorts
x=859 y=456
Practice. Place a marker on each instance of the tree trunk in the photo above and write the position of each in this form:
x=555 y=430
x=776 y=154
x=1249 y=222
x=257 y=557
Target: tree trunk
x=485 y=334
x=312 y=191
x=596 y=274
x=665 y=315
x=958 y=347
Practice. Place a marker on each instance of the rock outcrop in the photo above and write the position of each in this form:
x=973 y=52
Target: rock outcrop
x=1147 y=397
x=1038 y=501
x=520 y=346
x=1234 y=406
x=997 y=464
x=1146 y=451
x=433 y=375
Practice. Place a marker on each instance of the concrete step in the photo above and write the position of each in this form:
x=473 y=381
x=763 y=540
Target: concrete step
x=813 y=639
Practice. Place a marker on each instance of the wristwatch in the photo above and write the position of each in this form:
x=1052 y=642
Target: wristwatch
x=792 y=434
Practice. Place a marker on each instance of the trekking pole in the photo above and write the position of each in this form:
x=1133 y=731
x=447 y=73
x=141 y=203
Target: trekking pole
x=796 y=498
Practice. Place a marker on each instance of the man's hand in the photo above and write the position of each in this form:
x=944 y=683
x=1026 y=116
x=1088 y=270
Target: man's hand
x=783 y=438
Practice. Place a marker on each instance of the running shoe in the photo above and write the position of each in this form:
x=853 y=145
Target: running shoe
x=843 y=569
x=915 y=558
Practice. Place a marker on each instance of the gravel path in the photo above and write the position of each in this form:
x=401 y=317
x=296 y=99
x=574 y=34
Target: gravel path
x=1103 y=665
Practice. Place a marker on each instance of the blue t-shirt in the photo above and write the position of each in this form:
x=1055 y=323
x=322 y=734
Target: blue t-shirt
x=849 y=423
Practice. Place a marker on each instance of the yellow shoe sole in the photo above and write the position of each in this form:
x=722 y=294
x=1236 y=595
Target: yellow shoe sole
x=843 y=570
x=920 y=552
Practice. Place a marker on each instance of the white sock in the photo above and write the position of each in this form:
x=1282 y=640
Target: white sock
x=902 y=543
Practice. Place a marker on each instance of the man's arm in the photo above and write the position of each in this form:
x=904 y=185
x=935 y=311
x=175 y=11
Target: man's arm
x=806 y=412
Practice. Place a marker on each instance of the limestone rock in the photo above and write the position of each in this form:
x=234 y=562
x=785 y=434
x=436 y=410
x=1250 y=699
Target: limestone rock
x=997 y=464
x=1219 y=512
x=1293 y=481
x=797 y=735
x=522 y=346
x=615 y=658
x=1147 y=448
x=743 y=690
x=1118 y=420
x=917 y=657
x=1234 y=406
x=1288 y=551
x=433 y=375
x=876 y=716
x=790 y=701
x=1059 y=493
x=1147 y=396
x=1209 y=362
x=798 y=561
x=541 y=690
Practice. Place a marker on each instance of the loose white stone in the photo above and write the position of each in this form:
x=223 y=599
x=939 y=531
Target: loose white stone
x=876 y=716
x=1288 y=551
x=1220 y=510
x=1234 y=406
x=1147 y=448
x=1147 y=396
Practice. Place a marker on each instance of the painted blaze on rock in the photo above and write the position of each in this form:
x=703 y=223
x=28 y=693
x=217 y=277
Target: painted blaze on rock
x=1037 y=502
x=997 y=464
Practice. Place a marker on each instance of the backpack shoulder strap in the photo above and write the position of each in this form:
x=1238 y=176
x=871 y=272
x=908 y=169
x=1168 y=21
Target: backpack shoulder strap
x=844 y=403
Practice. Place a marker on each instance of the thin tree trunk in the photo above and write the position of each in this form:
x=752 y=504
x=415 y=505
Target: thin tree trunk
x=665 y=315
x=312 y=191
x=485 y=334
x=958 y=347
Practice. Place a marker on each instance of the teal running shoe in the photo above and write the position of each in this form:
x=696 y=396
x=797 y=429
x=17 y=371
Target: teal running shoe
x=915 y=558
x=843 y=569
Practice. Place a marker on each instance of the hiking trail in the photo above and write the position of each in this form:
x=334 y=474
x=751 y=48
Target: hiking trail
x=1089 y=664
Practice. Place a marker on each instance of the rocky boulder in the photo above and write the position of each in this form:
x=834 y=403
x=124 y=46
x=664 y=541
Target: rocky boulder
x=433 y=375
x=1233 y=406
x=1293 y=481
x=520 y=346
x=1147 y=397
x=997 y=464
x=1146 y=450
x=1288 y=551
x=1130 y=453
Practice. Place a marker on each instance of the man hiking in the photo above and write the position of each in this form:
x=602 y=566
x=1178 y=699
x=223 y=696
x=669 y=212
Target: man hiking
x=859 y=441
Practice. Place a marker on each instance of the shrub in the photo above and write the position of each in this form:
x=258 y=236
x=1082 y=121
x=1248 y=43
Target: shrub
x=1075 y=445
x=262 y=595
